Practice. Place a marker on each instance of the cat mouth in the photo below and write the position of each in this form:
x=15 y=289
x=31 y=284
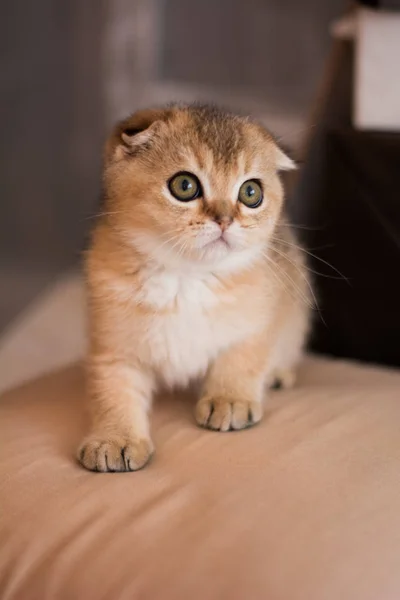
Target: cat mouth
x=219 y=242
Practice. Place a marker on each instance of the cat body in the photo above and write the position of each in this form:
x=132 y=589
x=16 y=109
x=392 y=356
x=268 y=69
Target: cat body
x=186 y=282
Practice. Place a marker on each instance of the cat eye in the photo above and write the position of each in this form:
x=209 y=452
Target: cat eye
x=250 y=193
x=184 y=186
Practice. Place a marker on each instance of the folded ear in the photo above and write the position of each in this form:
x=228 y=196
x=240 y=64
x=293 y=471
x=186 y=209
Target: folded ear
x=133 y=132
x=283 y=161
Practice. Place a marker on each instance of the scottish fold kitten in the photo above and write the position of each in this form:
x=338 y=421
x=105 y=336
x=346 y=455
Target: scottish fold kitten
x=192 y=274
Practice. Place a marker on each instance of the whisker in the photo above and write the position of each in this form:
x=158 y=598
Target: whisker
x=309 y=269
x=316 y=305
x=103 y=214
x=182 y=247
x=177 y=243
x=314 y=256
x=302 y=296
x=296 y=132
x=283 y=255
x=271 y=269
x=306 y=227
x=173 y=237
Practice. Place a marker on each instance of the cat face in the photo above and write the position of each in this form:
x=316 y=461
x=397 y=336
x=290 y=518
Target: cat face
x=193 y=184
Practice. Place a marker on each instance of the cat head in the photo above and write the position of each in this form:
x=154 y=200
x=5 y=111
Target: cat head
x=193 y=184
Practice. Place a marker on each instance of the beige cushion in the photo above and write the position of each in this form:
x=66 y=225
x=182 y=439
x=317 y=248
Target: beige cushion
x=306 y=506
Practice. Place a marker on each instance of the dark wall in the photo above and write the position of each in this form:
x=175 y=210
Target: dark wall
x=51 y=124
x=276 y=47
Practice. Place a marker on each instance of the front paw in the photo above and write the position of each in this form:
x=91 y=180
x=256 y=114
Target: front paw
x=113 y=453
x=223 y=414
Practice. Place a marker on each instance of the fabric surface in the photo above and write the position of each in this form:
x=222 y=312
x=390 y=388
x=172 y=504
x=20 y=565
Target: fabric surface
x=304 y=506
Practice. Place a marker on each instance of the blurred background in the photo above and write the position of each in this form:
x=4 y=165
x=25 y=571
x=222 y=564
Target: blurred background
x=321 y=74
x=71 y=68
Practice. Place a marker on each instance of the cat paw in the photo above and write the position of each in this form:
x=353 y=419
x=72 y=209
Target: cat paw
x=283 y=379
x=111 y=454
x=221 y=414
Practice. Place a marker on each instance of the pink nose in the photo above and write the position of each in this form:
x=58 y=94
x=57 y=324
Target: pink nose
x=224 y=222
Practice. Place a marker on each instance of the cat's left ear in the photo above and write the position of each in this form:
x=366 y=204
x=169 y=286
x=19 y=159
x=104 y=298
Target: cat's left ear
x=140 y=127
x=135 y=131
x=283 y=161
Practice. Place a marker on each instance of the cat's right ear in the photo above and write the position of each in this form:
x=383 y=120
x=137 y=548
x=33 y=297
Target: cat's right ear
x=131 y=133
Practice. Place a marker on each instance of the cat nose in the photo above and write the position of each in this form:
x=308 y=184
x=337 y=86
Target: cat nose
x=224 y=221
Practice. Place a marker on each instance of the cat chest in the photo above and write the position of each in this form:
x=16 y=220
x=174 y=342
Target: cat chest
x=181 y=345
x=179 y=341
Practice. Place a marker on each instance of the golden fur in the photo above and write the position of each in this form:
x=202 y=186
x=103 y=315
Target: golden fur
x=171 y=299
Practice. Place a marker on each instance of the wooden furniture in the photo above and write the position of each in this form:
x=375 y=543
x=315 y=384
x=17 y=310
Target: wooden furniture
x=347 y=198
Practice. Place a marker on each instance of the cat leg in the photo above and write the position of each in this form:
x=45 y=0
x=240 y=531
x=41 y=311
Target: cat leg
x=288 y=351
x=233 y=391
x=120 y=397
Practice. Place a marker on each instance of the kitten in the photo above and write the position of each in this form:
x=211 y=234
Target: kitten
x=192 y=273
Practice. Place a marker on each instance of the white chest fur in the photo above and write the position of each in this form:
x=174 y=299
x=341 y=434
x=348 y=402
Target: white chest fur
x=191 y=321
